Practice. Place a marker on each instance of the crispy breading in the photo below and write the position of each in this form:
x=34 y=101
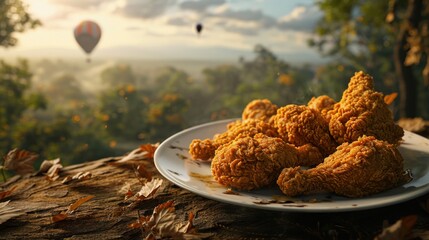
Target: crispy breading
x=363 y=167
x=301 y=125
x=323 y=104
x=262 y=109
x=252 y=162
x=205 y=149
x=362 y=111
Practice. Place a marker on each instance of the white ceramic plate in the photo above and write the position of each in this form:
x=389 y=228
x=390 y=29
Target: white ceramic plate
x=174 y=163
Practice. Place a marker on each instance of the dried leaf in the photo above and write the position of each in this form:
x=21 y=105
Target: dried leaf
x=6 y=193
x=126 y=190
x=399 y=230
x=149 y=189
x=189 y=226
x=47 y=164
x=162 y=220
x=53 y=172
x=59 y=217
x=80 y=176
x=20 y=161
x=163 y=224
x=145 y=151
x=149 y=148
x=388 y=99
x=7 y=212
x=71 y=209
x=79 y=202
x=143 y=173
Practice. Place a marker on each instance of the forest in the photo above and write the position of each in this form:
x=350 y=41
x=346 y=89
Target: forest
x=56 y=116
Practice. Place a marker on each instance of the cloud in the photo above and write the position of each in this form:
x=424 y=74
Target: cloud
x=83 y=4
x=200 y=6
x=178 y=21
x=302 y=18
x=248 y=15
x=246 y=22
x=144 y=8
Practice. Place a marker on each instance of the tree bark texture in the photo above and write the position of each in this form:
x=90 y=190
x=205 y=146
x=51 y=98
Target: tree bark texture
x=407 y=81
x=108 y=215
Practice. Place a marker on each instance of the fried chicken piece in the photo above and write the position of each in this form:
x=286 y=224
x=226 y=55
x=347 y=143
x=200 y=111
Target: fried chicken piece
x=301 y=125
x=356 y=169
x=362 y=111
x=205 y=149
x=254 y=162
x=262 y=109
x=323 y=104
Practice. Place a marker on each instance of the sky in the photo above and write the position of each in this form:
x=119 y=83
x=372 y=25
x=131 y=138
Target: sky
x=157 y=29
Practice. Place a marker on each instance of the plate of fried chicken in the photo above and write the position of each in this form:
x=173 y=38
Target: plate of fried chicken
x=324 y=156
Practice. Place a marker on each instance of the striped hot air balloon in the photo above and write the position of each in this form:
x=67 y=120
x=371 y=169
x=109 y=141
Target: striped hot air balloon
x=87 y=35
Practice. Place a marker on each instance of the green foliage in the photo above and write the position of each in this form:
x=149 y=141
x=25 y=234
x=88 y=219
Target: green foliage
x=365 y=35
x=14 y=18
x=14 y=83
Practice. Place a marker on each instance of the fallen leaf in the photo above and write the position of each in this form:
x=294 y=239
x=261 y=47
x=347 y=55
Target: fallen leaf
x=142 y=173
x=71 y=209
x=163 y=223
x=145 y=151
x=7 y=212
x=399 y=230
x=79 y=202
x=47 y=164
x=388 y=99
x=149 y=148
x=80 y=176
x=59 y=217
x=6 y=193
x=20 y=161
x=127 y=191
x=53 y=173
x=149 y=189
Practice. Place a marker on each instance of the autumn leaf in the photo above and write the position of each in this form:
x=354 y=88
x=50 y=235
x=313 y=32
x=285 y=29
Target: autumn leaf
x=388 y=99
x=145 y=151
x=142 y=173
x=6 y=193
x=80 y=176
x=127 y=191
x=20 y=161
x=47 y=164
x=149 y=189
x=51 y=168
x=163 y=223
x=149 y=148
x=71 y=209
x=399 y=230
x=7 y=212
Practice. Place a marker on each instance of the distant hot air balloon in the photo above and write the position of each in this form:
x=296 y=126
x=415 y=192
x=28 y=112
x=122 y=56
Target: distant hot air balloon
x=87 y=35
x=199 y=27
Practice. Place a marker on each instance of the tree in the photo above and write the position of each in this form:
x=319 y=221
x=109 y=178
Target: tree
x=14 y=100
x=357 y=33
x=14 y=18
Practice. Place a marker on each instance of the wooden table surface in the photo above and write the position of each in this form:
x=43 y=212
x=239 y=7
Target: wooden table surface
x=172 y=212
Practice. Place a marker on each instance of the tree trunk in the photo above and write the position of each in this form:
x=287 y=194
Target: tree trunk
x=408 y=88
x=108 y=215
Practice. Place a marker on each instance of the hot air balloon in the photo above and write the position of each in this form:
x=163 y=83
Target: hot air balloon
x=199 y=27
x=87 y=35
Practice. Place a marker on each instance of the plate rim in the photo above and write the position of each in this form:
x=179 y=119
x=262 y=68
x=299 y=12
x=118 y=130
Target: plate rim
x=399 y=198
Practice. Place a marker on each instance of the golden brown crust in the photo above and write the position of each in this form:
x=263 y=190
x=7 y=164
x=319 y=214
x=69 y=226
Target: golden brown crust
x=363 y=167
x=261 y=109
x=252 y=162
x=362 y=111
x=301 y=125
